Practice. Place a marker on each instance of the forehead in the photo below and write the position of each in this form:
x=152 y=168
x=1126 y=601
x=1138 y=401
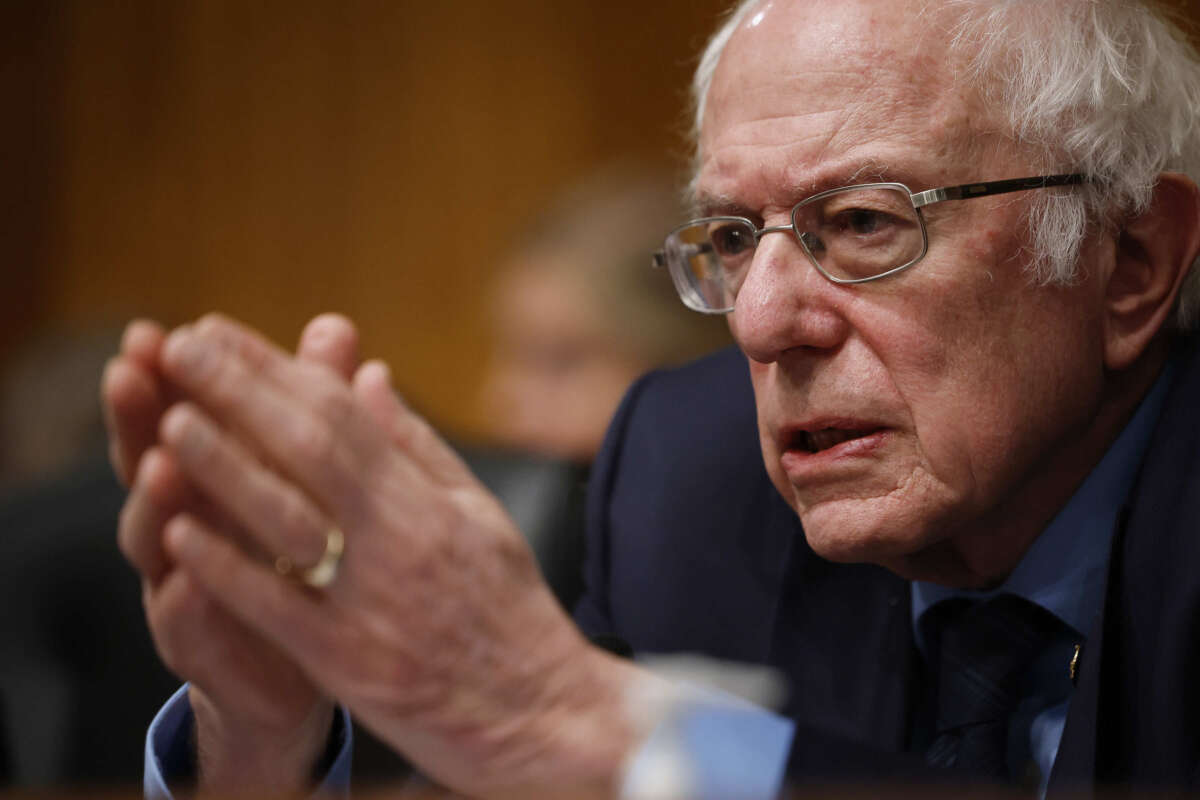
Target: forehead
x=811 y=93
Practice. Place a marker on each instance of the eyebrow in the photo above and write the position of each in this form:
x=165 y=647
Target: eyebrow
x=723 y=205
x=718 y=205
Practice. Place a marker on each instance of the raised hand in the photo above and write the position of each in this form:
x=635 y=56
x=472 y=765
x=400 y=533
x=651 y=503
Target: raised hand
x=261 y=722
x=437 y=631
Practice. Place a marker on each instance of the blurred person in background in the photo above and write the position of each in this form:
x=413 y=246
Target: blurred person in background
x=578 y=316
x=50 y=421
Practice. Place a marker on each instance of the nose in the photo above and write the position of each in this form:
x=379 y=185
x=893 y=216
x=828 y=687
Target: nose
x=785 y=304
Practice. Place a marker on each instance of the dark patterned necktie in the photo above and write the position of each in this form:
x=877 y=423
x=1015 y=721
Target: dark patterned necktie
x=986 y=652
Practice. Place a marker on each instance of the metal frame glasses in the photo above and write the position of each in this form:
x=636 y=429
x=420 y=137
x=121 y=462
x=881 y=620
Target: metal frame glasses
x=852 y=234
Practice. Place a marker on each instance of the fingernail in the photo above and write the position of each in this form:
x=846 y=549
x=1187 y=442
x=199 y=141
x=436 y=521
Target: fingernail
x=385 y=377
x=183 y=349
x=179 y=538
x=385 y=372
x=184 y=430
x=171 y=427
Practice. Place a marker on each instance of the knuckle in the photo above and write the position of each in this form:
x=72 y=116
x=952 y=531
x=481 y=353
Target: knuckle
x=238 y=342
x=296 y=518
x=200 y=362
x=176 y=523
x=175 y=423
x=226 y=382
x=227 y=564
x=116 y=459
x=312 y=440
x=139 y=529
x=211 y=323
x=177 y=614
x=331 y=402
x=405 y=433
x=167 y=493
x=128 y=539
x=226 y=334
x=190 y=435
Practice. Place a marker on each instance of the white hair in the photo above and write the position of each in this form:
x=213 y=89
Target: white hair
x=1108 y=88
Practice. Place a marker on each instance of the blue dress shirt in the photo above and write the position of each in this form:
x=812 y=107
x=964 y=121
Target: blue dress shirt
x=170 y=756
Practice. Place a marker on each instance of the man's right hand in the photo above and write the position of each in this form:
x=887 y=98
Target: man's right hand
x=261 y=723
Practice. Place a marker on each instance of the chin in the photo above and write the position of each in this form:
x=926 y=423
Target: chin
x=856 y=544
x=915 y=552
x=860 y=532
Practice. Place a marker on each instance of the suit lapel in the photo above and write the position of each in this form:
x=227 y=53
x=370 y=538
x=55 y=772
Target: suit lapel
x=1075 y=765
x=842 y=635
x=1120 y=711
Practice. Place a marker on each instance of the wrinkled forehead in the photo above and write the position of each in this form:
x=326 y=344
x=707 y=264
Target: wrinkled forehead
x=808 y=87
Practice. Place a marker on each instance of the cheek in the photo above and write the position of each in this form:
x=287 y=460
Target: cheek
x=953 y=349
x=999 y=376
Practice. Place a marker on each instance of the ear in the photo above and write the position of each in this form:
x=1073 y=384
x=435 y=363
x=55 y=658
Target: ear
x=1153 y=254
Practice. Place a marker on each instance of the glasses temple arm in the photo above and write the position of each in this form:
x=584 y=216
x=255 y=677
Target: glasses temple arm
x=968 y=190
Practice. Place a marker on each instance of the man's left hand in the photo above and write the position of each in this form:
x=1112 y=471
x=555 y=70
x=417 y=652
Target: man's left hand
x=437 y=631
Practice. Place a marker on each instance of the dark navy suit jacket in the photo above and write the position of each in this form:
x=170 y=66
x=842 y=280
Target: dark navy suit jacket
x=691 y=549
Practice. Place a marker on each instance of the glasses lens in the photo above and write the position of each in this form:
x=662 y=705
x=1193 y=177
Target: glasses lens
x=707 y=260
x=860 y=233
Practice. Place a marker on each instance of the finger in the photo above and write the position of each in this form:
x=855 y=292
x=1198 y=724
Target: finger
x=158 y=493
x=304 y=421
x=329 y=343
x=283 y=520
x=296 y=619
x=409 y=432
x=142 y=341
x=332 y=340
x=133 y=401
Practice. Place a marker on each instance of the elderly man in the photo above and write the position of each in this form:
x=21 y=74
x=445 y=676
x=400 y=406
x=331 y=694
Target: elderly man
x=955 y=243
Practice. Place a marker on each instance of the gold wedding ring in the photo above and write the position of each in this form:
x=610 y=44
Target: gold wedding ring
x=325 y=570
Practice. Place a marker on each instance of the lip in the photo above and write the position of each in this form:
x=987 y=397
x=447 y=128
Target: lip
x=802 y=465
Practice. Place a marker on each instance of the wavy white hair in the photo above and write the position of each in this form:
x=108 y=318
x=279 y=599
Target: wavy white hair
x=1109 y=88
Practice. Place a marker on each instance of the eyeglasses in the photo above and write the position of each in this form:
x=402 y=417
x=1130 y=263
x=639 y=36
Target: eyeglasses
x=853 y=234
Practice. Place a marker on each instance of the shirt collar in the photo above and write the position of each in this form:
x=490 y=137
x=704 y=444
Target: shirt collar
x=1063 y=570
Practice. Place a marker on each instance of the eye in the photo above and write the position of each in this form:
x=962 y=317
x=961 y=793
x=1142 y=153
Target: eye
x=863 y=221
x=731 y=239
x=860 y=232
x=863 y=213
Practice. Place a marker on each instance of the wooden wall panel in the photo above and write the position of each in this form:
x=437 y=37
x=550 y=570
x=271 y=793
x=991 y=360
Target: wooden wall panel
x=275 y=159
x=28 y=152
x=278 y=158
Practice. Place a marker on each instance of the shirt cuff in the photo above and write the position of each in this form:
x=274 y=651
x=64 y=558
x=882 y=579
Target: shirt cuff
x=711 y=745
x=170 y=752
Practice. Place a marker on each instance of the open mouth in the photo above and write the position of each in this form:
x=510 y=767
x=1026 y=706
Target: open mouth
x=825 y=438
